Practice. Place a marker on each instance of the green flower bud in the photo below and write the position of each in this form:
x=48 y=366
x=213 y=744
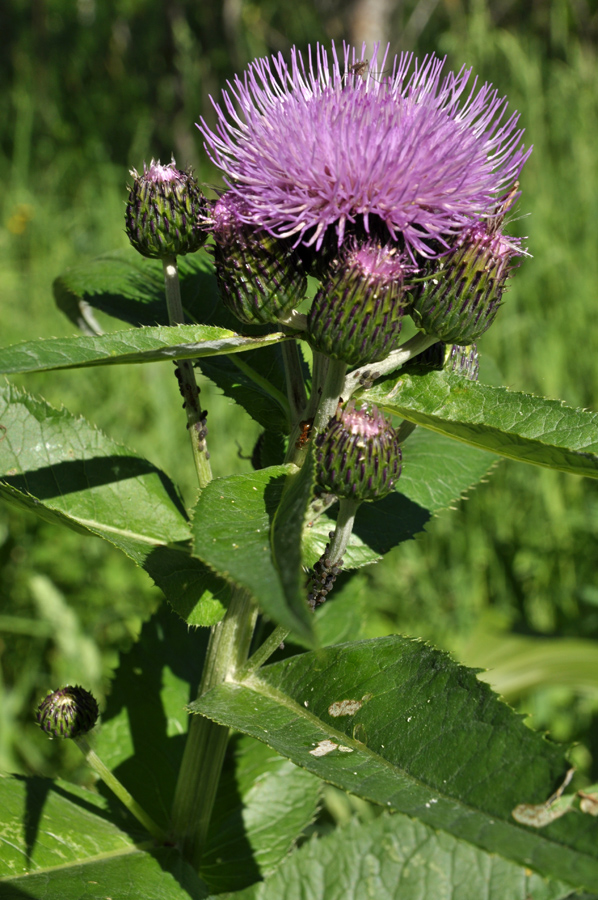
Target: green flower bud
x=358 y=456
x=357 y=314
x=166 y=212
x=67 y=713
x=261 y=278
x=462 y=292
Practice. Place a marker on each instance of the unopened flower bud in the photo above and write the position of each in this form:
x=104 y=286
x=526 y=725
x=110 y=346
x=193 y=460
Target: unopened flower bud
x=357 y=313
x=68 y=713
x=358 y=456
x=166 y=212
x=261 y=278
x=459 y=299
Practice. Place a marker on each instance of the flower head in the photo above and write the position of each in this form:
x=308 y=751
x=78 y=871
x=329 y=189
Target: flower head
x=314 y=147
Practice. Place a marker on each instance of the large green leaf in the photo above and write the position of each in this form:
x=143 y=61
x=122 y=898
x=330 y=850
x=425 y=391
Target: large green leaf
x=519 y=426
x=396 y=858
x=264 y=802
x=58 y=842
x=129 y=287
x=399 y=723
x=137 y=345
x=231 y=528
x=68 y=472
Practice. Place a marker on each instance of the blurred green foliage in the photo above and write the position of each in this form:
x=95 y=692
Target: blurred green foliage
x=90 y=89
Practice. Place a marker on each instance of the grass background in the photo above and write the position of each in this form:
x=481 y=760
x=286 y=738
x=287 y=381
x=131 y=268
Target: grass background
x=508 y=579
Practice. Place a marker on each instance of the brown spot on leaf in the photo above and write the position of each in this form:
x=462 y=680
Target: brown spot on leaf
x=344 y=708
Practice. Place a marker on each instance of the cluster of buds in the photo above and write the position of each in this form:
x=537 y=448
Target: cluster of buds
x=383 y=189
x=367 y=283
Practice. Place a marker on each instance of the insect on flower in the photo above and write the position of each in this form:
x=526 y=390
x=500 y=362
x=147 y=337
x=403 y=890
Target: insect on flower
x=360 y=69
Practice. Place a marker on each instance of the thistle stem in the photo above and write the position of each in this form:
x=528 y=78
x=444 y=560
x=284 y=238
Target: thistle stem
x=263 y=653
x=296 y=394
x=344 y=527
x=117 y=788
x=338 y=545
x=205 y=749
x=196 y=417
x=320 y=370
x=331 y=393
x=368 y=374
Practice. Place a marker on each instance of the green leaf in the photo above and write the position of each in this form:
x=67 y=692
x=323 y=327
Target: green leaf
x=125 y=285
x=287 y=531
x=437 y=471
x=68 y=472
x=137 y=345
x=395 y=858
x=264 y=802
x=240 y=510
x=519 y=426
x=58 y=840
x=399 y=723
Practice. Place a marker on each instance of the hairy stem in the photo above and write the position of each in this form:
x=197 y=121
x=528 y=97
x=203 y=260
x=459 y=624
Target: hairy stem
x=344 y=528
x=196 y=417
x=263 y=652
x=332 y=389
x=296 y=394
x=366 y=375
x=117 y=788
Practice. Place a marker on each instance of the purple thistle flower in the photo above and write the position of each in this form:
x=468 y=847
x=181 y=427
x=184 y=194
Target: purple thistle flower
x=316 y=146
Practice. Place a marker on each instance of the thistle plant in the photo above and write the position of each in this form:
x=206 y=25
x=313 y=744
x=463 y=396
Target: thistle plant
x=386 y=183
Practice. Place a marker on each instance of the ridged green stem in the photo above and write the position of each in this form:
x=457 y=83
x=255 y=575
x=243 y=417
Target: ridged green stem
x=205 y=748
x=331 y=393
x=263 y=652
x=344 y=527
x=296 y=394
